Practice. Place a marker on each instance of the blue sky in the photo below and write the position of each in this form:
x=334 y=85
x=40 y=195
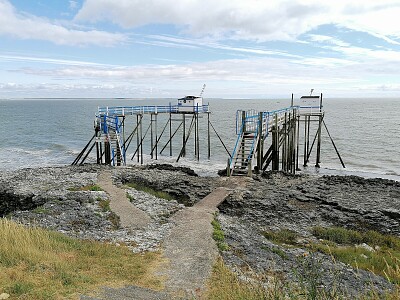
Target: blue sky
x=238 y=48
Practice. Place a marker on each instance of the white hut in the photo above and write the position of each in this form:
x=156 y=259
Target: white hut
x=190 y=104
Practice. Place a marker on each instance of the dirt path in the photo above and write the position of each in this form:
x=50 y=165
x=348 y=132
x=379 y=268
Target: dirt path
x=130 y=216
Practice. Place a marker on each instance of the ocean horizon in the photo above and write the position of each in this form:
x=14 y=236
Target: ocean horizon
x=52 y=131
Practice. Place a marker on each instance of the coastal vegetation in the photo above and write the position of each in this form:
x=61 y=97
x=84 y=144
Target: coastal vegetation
x=41 y=264
x=224 y=284
x=149 y=190
x=218 y=236
x=370 y=250
x=92 y=188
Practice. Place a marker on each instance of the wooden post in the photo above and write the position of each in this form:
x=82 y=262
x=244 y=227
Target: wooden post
x=151 y=135
x=305 y=141
x=228 y=168
x=208 y=136
x=170 y=134
x=198 y=137
x=284 y=147
x=318 y=159
x=183 y=135
x=141 y=139
x=260 y=141
x=275 y=145
x=243 y=137
x=156 y=137
x=137 y=136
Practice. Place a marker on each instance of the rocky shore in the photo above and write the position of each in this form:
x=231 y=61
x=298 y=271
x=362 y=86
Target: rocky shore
x=67 y=199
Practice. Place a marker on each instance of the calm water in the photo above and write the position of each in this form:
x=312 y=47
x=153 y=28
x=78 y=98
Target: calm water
x=52 y=132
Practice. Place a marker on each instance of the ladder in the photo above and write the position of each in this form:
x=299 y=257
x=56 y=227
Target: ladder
x=247 y=129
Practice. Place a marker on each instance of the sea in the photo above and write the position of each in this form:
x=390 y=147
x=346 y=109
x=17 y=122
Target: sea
x=52 y=132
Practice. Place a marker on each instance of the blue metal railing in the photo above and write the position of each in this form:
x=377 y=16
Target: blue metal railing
x=251 y=122
x=147 y=109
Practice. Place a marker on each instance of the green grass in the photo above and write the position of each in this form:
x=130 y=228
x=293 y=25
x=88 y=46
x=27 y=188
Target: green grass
x=40 y=210
x=40 y=264
x=104 y=205
x=345 y=236
x=149 y=190
x=226 y=285
x=383 y=261
x=93 y=188
x=282 y=236
x=218 y=236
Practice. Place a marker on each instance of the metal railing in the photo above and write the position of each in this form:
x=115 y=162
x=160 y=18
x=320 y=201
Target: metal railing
x=151 y=109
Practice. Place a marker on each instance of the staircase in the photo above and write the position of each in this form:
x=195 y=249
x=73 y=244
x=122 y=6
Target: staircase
x=111 y=128
x=247 y=131
x=244 y=154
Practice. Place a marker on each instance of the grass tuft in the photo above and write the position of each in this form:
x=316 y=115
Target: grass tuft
x=282 y=236
x=93 y=188
x=149 y=190
x=383 y=260
x=218 y=236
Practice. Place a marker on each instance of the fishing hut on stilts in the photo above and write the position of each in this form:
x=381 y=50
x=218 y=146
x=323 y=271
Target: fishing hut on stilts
x=111 y=140
x=279 y=139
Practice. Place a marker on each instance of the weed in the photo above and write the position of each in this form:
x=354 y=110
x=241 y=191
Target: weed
x=93 y=188
x=282 y=236
x=130 y=197
x=383 y=261
x=151 y=191
x=19 y=288
x=218 y=236
x=114 y=219
x=225 y=285
x=279 y=252
x=105 y=205
x=40 y=210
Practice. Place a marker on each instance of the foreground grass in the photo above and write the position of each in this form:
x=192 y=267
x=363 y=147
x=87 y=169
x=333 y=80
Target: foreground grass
x=40 y=264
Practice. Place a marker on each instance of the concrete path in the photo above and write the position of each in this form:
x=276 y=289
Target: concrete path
x=130 y=216
x=190 y=248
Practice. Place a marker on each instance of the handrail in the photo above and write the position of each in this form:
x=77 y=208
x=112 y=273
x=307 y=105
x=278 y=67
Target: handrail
x=131 y=110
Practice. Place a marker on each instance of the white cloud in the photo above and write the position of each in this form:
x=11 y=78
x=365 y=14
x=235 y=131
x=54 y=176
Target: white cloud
x=256 y=19
x=46 y=60
x=249 y=19
x=30 y=27
x=73 y=4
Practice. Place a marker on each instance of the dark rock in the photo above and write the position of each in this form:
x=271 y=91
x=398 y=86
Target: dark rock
x=168 y=167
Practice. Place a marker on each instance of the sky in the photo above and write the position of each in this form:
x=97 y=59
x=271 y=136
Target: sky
x=168 y=49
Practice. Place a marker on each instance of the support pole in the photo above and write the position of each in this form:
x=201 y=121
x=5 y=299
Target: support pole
x=170 y=140
x=318 y=159
x=260 y=141
x=170 y=134
x=226 y=149
x=151 y=135
x=333 y=143
x=208 y=136
x=183 y=135
x=186 y=138
x=137 y=136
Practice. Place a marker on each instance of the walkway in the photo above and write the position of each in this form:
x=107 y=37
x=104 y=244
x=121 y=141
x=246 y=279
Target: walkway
x=130 y=216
